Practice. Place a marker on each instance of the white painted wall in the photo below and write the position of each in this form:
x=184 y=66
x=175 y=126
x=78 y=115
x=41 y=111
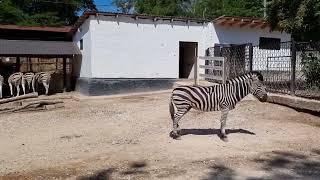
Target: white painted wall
x=237 y=35
x=127 y=48
x=84 y=32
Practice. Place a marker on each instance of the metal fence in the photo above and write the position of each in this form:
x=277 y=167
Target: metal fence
x=286 y=67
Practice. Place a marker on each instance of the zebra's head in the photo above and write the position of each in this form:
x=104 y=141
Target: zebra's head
x=257 y=87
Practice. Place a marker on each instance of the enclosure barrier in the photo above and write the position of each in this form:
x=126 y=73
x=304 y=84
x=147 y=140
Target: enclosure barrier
x=214 y=69
x=287 y=67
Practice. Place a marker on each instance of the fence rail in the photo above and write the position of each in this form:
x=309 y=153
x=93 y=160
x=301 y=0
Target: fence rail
x=214 y=68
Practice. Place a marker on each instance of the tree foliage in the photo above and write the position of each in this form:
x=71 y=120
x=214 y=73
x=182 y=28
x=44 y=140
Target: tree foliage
x=160 y=7
x=42 y=12
x=124 y=6
x=200 y=8
x=299 y=17
x=215 y=8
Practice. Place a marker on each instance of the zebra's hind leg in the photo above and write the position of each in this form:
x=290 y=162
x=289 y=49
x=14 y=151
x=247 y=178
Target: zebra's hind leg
x=223 y=121
x=0 y=90
x=11 y=90
x=175 y=121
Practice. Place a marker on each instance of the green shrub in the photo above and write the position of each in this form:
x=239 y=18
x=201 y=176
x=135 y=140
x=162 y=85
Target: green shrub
x=311 y=69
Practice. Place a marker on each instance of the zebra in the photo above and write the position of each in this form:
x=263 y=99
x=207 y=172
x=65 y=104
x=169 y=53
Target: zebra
x=16 y=79
x=44 y=78
x=223 y=97
x=1 y=83
x=28 y=78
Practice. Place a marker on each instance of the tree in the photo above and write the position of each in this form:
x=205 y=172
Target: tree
x=301 y=18
x=201 y=8
x=215 y=8
x=42 y=12
x=160 y=7
x=125 y=6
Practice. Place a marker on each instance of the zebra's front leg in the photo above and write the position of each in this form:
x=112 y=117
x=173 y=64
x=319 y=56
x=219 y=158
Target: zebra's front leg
x=223 y=121
x=23 y=88
x=18 y=90
x=46 y=86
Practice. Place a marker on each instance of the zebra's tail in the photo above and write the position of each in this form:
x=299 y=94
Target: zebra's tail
x=171 y=107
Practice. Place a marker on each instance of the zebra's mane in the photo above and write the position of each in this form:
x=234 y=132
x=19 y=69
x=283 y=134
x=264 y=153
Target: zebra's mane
x=246 y=76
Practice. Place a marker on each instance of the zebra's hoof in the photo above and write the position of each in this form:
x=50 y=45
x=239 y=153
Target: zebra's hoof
x=224 y=138
x=177 y=138
x=175 y=135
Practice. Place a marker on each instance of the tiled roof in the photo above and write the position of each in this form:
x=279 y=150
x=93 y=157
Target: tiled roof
x=29 y=47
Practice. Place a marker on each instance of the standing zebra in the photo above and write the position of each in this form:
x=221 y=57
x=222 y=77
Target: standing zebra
x=44 y=78
x=1 y=83
x=222 y=98
x=28 y=78
x=16 y=79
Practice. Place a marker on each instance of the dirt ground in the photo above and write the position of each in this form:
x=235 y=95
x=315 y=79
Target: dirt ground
x=128 y=138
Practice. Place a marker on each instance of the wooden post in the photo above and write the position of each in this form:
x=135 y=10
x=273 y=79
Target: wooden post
x=196 y=71
x=64 y=73
x=224 y=78
x=30 y=64
x=250 y=57
x=293 y=67
x=17 y=64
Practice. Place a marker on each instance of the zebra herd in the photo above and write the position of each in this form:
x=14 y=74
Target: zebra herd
x=30 y=79
x=222 y=98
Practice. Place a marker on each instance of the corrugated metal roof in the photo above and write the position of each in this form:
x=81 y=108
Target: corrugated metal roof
x=62 y=29
x=28 y=47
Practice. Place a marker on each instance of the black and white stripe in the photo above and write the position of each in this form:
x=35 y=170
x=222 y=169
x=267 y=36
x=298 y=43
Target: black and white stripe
x=42 y=78
x=1 y=83
x=16 y=79
x=28 y=78
x=222 y=98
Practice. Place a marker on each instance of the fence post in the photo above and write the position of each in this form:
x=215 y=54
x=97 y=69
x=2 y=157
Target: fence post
x=224 y=78
x=18 y=64
x=250 y=57
x=293 y=67
x=196 y=71
x=64 y=62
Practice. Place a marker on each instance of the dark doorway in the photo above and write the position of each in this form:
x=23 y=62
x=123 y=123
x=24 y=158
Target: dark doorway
x=188 y=52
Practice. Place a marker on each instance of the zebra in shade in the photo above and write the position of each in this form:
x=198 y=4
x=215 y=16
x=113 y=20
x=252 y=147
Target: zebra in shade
x=223 y=97
x=28 y=78
x=1 y=83
x=16 y=79
x=43 y=78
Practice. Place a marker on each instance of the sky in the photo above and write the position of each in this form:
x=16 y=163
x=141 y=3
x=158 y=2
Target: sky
x=105 y=5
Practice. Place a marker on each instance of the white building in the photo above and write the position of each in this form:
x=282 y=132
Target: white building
x=122 y=53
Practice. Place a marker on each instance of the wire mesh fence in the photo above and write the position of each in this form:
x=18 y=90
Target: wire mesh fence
x=288 y=67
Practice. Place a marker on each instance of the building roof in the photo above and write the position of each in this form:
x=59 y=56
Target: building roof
x=37 y=48
x=233 y=21
x=86 y=15
x=63 y=29
x=236 y=21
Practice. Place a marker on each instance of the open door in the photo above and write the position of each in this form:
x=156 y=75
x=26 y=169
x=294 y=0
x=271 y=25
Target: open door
x=188 y=52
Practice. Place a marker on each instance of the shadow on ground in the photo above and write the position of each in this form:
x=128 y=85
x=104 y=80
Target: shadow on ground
x=135 y=169
x=184 y=132
x=277 y=165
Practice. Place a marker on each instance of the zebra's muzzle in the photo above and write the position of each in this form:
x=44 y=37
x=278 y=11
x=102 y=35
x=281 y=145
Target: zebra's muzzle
x=264 y=98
